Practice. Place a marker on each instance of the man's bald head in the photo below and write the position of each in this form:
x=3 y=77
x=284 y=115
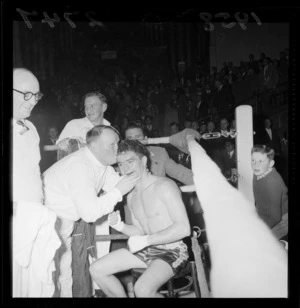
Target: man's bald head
x=23 y=81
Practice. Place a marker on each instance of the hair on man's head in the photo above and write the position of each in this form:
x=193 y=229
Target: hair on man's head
x=135 y=146
x=136 y=124
x=96 y=132
x=98 y=94
x=264 y=149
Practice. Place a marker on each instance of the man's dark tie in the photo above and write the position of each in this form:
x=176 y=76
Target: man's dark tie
x=25 y=127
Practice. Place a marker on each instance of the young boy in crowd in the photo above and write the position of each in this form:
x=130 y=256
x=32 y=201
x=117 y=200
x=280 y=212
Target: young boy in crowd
x=270 y=191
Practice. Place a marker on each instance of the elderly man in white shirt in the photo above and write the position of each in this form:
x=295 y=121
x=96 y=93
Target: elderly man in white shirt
x=26 y=175
x=33 y=230
x=95 y=106
x=71 y=187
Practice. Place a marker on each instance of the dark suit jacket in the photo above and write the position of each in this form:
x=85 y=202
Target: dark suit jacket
x=223 y=99
x=269 y=79
x=264 y=138
x=227 y=163
x=162 y=165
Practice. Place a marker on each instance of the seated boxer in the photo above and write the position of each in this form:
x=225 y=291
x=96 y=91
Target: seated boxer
x=159 y=223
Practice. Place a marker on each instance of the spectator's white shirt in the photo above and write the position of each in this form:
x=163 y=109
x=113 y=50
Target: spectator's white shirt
x=71 y=186
x=26 y=174
x=78 y=128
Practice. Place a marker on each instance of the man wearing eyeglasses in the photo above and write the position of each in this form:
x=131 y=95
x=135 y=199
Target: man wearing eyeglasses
x=26 y=175
x=35 y=240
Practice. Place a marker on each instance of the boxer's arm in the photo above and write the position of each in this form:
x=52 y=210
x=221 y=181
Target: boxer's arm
x=134 y=229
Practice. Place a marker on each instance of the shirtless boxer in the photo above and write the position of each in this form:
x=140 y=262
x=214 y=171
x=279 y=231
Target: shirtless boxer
x=159 y=223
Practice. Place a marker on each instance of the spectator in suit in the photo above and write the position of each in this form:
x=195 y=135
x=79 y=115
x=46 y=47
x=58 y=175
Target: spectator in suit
x=183 y=103
x=210 y=145
x=153 y=112
x=202 y=128
x=148 y=129
x=190 y=111
x=223 y=97
x=220 y=142
x=156 y=100
x=195 y=125
x=201 y=104
x=253 y=63
x=267 y=81
x=269 y=136
x=171 y=115
x=228 y=162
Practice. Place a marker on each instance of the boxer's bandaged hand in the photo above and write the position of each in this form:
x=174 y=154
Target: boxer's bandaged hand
x=179 y=140
x=114 y=220
x=137 y=242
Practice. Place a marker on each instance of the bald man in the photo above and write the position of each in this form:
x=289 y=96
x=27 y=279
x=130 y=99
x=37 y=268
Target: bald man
x=26 y=175
x=35 y=240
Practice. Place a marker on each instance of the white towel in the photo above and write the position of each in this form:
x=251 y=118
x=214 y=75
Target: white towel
x=35 y=242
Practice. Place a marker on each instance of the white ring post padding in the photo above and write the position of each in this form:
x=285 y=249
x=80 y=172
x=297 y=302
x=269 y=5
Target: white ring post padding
x=244 y=144
x=188 y=188
x=52 y=147
x=161 y=140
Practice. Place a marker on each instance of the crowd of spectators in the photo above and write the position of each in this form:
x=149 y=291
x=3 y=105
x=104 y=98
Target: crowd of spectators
x=163 y=104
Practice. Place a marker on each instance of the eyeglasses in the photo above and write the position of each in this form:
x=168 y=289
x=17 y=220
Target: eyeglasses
x=28 y=95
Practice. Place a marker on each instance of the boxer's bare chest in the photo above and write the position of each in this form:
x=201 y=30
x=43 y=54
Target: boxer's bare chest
x=145 y=203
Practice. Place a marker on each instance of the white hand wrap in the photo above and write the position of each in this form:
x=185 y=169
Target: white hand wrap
x=119 y=225
x=137 y=242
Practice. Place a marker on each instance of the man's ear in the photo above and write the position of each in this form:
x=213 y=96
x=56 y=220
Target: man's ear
x=104 y=107
x=272 y=163
x=144 y=160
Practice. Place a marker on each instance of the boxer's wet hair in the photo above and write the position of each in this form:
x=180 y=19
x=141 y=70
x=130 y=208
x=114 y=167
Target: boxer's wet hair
x=96 y=132
x=264 y=149
x=135 y=146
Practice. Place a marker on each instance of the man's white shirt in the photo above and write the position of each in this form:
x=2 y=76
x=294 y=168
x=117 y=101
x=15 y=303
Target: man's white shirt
x=71 y=186
x=78 y=128
x=26 y=174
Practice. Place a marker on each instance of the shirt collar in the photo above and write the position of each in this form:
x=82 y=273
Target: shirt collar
x=92 y=157
x=265 y=174
x=14 y=121
x=105 y=122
